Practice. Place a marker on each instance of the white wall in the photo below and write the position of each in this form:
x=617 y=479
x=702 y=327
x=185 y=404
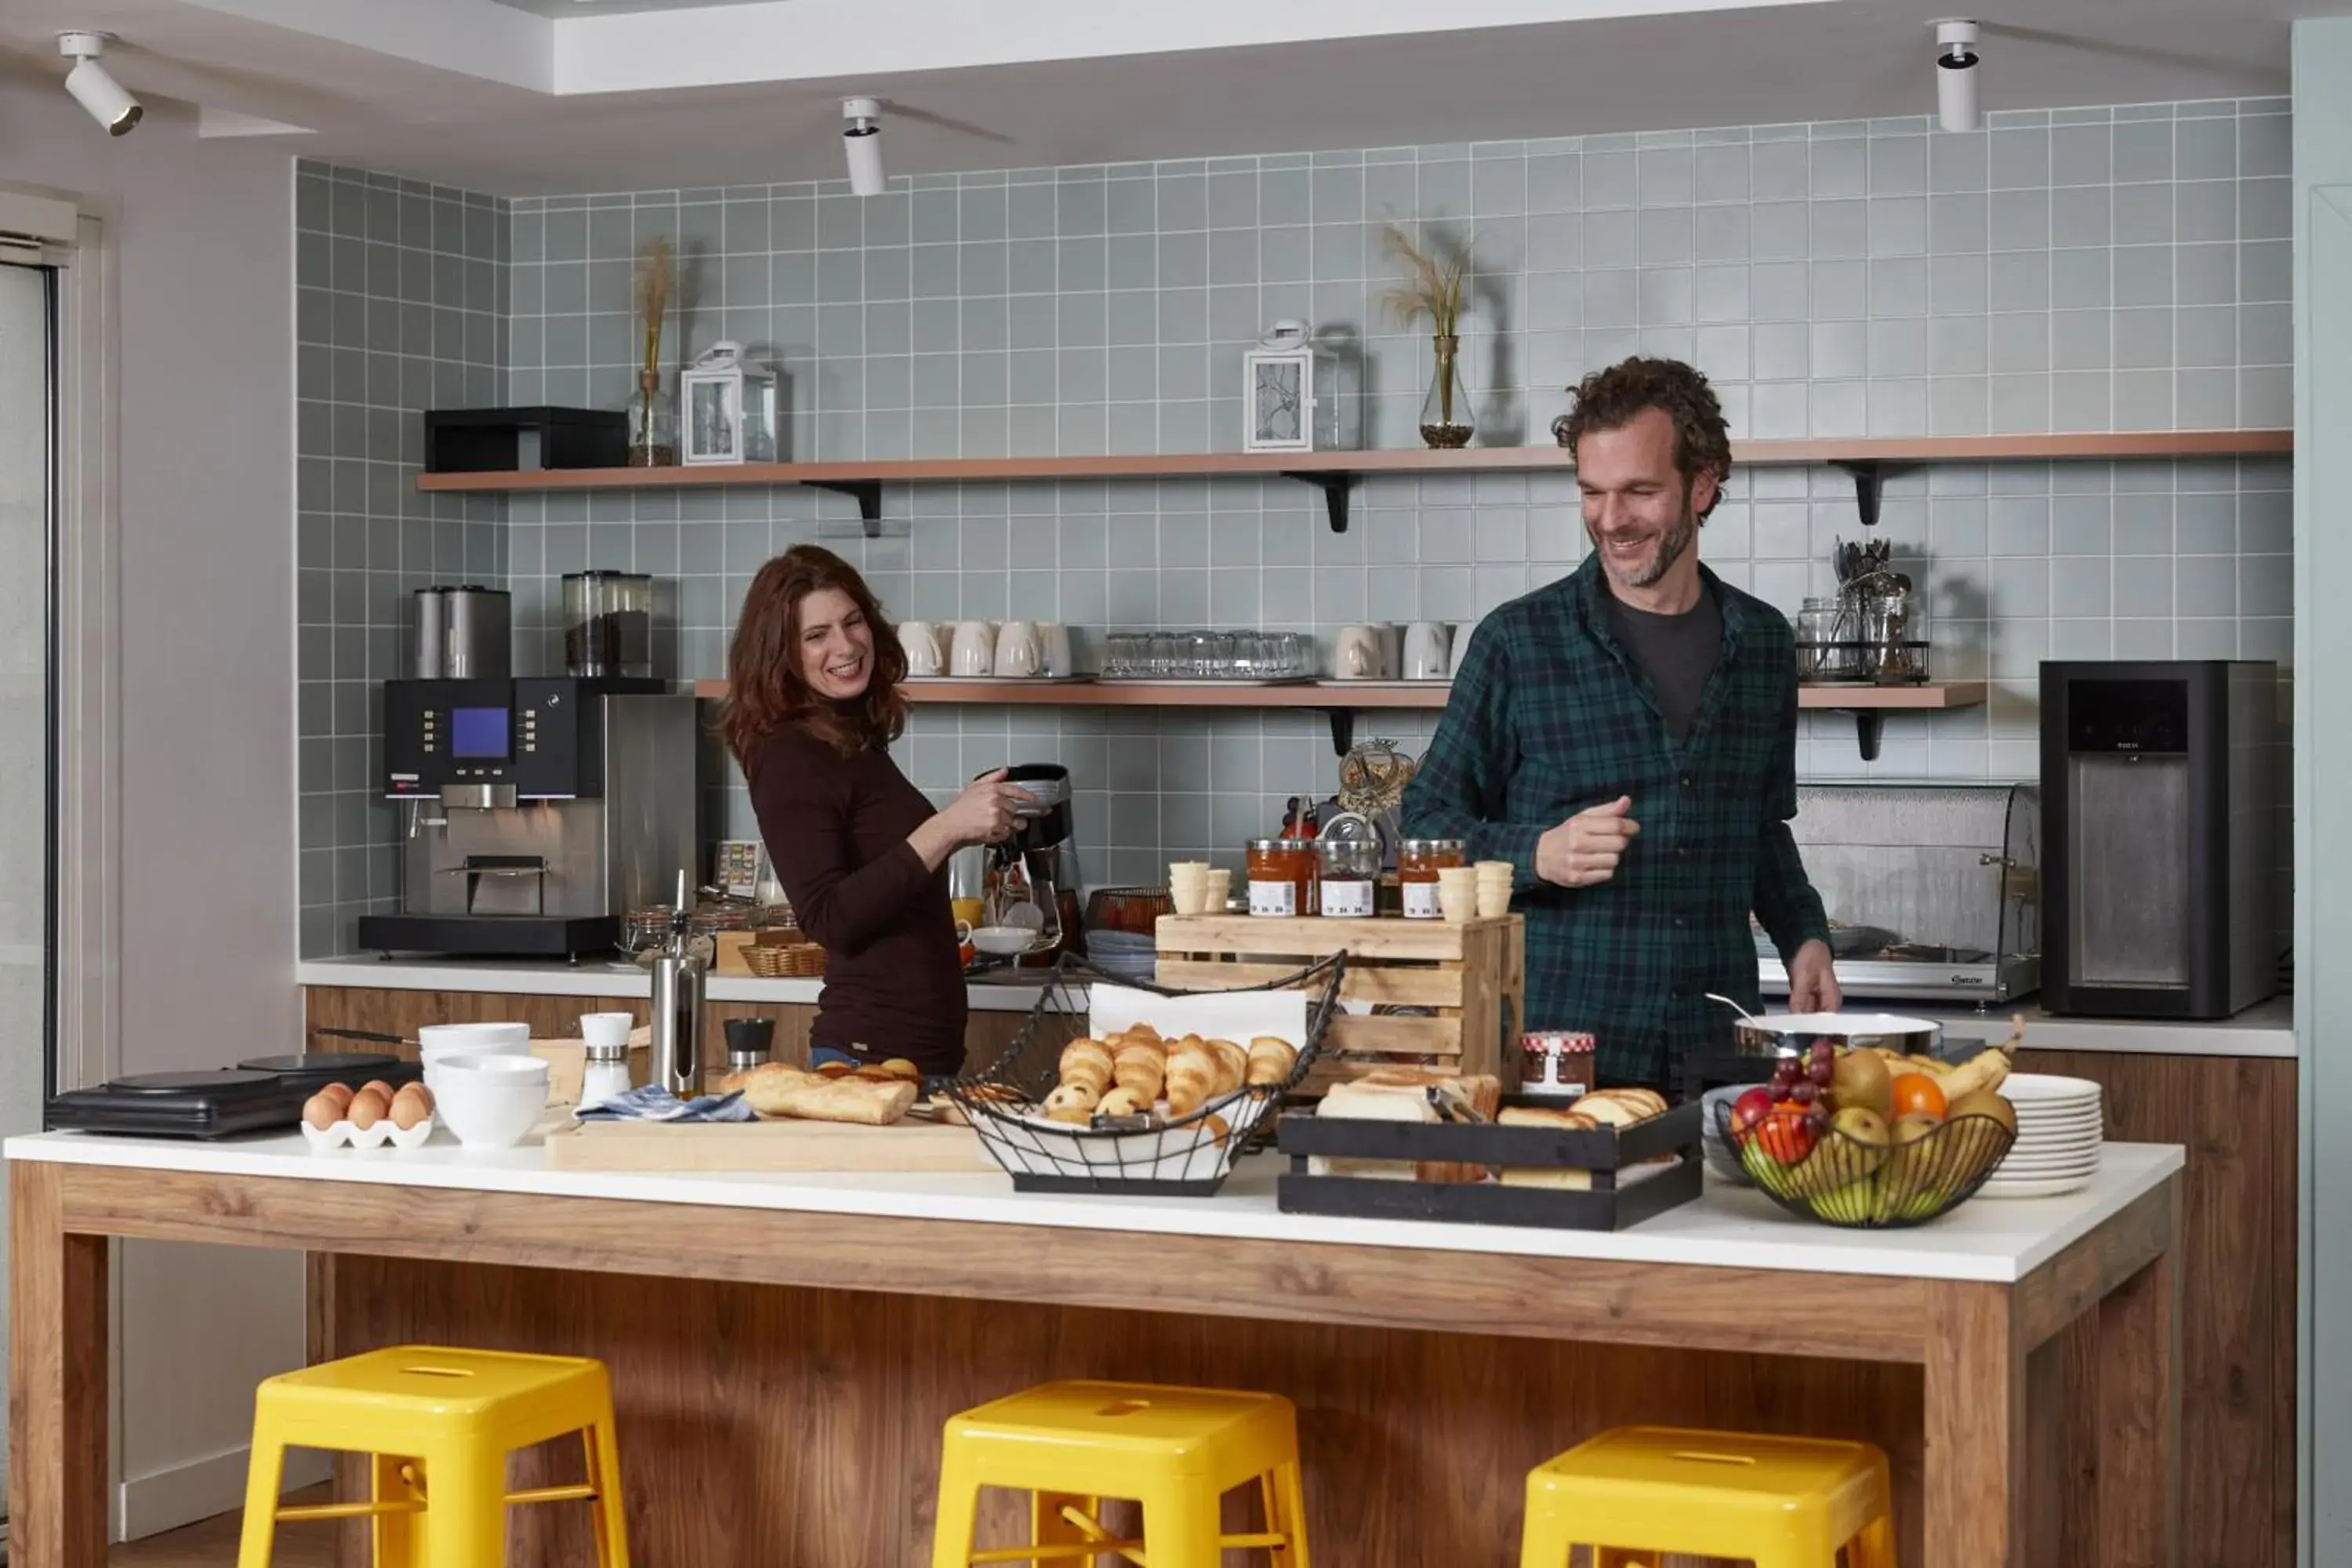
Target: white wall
x=204 y=233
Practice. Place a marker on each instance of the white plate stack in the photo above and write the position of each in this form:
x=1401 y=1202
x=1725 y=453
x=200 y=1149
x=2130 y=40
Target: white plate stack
x=2059 y=1124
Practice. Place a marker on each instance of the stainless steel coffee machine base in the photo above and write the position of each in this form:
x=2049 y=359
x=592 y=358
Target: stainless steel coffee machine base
x=568 y=937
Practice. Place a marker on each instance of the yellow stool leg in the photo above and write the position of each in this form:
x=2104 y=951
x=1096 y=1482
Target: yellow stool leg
x=399 y=1537
x=605 y=1475
x=1285 y=1510
x=465 y=1514
x=1181 y=1528
x=958 y=1514
x=1544 y=1540
x=265 y=1470
x=1875 y=1547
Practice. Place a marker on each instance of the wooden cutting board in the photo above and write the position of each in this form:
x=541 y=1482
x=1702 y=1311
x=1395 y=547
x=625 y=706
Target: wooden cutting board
x=781 y=1145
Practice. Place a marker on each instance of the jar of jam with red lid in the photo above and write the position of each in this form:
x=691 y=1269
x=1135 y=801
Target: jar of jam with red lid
x=1419 y=860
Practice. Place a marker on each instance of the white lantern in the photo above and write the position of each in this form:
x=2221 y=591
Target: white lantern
x=727 y=408
x=1293 y=399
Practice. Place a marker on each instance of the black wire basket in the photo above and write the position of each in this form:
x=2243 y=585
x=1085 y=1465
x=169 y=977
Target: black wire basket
x=1184 y=1156
x=1841 y=1180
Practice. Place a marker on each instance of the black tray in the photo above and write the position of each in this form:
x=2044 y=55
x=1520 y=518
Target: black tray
x=214 y=1104
x=1601 y=1150
x=353 y=1069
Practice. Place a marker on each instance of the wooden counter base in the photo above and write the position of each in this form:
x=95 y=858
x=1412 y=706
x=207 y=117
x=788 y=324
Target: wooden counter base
x=783 y=1376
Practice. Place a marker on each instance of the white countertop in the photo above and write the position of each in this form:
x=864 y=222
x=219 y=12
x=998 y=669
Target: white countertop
x=1993 y=1240
x=2266 y=1029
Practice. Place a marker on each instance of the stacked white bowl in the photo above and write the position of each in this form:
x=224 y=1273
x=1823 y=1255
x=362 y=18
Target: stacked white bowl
x=2059 y=1124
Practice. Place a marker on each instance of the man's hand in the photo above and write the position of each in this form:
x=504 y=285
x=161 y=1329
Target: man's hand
x=1584 y=849
x=1812 y=983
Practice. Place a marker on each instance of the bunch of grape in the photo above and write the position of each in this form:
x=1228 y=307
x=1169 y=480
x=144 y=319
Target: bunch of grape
x=1804 y=1081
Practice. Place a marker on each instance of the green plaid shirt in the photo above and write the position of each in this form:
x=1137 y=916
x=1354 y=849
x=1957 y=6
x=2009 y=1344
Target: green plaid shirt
x=1550 y=715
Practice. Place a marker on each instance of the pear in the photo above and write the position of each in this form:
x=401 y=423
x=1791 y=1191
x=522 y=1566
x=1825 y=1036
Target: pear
x=1861 y=1081
x=1986 y=1102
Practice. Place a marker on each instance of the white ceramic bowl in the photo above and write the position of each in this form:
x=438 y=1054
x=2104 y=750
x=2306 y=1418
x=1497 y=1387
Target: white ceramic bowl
x=436 y=1042
x=1002 y=941
x=491 y=1102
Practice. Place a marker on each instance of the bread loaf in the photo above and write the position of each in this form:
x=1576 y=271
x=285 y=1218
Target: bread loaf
x=1363 y=1100
x=837 y=1099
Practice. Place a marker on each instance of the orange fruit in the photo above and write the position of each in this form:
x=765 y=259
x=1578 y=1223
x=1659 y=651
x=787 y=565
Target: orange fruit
x=1917 y=1094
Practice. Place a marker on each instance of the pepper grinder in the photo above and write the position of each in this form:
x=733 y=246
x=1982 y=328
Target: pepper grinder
x=747 y=1040
x=679 y=983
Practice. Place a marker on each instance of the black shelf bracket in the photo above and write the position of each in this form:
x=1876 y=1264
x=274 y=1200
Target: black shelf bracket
x=1343 y=730
x=1866 y=481
x=1868 y=727
x=1335 y=487
x=867 y=493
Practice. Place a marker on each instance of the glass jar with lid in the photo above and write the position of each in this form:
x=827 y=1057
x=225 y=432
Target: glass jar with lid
x=1419 y=860
x=1281 y=877
x=1348 y=876
x=608 y=623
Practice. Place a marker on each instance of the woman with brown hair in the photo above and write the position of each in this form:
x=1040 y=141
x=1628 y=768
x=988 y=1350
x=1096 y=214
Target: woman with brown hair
x=813 y=706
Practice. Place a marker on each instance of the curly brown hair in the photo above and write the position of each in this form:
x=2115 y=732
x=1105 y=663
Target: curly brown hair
x=1610 y=400
x=765 y=688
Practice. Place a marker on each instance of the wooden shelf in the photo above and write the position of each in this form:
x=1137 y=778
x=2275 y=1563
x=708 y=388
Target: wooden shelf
x=1341 y=699
x=1892 y=450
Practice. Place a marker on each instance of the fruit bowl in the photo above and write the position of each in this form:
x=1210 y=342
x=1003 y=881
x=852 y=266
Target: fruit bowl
x=1832 y=1176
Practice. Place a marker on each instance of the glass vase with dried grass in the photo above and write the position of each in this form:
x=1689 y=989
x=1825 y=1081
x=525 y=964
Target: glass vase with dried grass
x=1435 y=268
x=653 y=419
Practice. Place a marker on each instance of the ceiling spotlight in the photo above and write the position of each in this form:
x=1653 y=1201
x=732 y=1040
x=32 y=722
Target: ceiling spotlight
x=92 y=88
x=862 y=141
x=1955 y=75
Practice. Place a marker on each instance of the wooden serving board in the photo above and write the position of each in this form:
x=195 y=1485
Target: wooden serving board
x=783 y=1145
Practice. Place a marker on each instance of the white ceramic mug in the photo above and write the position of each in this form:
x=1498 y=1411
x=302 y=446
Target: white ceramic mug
x=974 y=652
x=1054 y=649
x=1425 y=651
x=1356 y=654
x=921 y=641
x=1461 y=646
x=1392 y=650
x=1017 y=648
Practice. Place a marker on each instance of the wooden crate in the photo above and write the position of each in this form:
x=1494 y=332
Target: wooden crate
x=1471 y=976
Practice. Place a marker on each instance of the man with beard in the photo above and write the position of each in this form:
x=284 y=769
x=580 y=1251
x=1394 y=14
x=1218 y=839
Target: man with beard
x=1626 y=738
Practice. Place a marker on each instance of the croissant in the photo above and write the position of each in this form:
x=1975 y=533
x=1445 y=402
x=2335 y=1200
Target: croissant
x=1086 y=1062
x=1271 y=1060
x=1071 y=1103
x=1233 y=1065
x=1191 y=1079
x=1122 y=1102
x=1141 y=1070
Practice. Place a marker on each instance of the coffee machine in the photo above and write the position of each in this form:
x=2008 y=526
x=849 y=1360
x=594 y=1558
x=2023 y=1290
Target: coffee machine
x=1038 y=865
x=539 y=812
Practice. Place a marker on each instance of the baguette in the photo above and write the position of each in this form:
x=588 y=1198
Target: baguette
x=854 y=1100
x=1645 y=1103
x=1547 y=1116
x=774 y=1077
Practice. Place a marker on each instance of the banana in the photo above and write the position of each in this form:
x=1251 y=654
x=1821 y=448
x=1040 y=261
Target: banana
x=1983 y=1070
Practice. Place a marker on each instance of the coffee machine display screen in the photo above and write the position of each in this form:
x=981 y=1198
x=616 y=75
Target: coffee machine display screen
x=481 y=732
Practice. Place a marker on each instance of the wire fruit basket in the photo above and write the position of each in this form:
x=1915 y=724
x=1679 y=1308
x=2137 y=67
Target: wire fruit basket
x=1841 y=1180
x=1181 y=1156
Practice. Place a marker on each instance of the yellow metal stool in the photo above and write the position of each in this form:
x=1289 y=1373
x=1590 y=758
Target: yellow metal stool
x=440 y=1424
x=1176 y=1450
x=1636 y=1492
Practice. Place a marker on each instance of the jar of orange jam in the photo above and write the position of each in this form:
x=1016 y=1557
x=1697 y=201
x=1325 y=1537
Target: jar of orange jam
x=1282 y=876
x=1418 y=862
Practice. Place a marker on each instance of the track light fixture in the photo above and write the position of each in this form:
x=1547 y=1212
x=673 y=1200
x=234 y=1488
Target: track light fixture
x=1955 y=75
x=862 y=142
x=93 y=88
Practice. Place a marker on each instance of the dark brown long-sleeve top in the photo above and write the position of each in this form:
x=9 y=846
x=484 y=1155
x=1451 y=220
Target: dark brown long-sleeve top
x=836 y=829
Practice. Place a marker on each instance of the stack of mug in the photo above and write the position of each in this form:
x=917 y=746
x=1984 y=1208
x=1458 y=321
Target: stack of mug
x=1425 y=650
x=1197 y=888
x=977 y=650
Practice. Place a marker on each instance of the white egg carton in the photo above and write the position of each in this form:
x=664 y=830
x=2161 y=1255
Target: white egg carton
x=347 y=1135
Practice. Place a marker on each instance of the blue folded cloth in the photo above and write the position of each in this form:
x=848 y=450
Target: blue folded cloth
x=653 y=1103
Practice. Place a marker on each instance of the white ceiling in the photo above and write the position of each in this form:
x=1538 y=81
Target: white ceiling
x=543 y=96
